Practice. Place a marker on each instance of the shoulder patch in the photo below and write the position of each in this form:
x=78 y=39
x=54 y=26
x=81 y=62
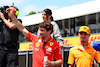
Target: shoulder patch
x=51 y=43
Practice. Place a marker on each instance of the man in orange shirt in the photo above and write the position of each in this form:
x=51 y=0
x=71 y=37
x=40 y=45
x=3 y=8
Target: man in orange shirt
x=43 y=45
x=83 y=54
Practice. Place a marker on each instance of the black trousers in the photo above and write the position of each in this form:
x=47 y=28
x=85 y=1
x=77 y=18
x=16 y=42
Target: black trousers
x=9 y=58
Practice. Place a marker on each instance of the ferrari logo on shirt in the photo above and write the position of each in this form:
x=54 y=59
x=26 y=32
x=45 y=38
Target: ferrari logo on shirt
x=37 y=44
x=51 y=43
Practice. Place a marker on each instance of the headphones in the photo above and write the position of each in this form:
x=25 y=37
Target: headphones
x=17 y=12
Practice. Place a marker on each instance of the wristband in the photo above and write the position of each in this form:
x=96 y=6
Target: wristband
x=3 y=19
x=53 y=63
x=14 y=20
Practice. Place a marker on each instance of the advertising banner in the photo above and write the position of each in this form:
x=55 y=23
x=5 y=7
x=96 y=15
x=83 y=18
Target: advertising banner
x=67 y=41
x=75 y=40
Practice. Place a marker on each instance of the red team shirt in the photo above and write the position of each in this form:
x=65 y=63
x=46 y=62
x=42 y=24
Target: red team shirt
x=52 y=50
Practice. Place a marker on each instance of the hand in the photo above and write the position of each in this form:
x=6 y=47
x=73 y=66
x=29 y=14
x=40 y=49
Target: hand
x=11 y=13
x=61 y=45
x=2 y=15
x=47 y=63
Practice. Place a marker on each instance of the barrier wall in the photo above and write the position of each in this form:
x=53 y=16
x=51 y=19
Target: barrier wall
x=25 y=57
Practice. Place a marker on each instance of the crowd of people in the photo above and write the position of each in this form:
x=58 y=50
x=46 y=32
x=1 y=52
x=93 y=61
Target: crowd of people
x=47 y=44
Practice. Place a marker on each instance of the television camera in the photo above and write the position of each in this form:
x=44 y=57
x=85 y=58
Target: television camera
x=3 y=10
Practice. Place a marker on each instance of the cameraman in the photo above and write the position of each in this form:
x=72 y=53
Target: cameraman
x=9 y=40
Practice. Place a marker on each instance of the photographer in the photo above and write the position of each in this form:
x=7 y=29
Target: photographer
x=9 y=40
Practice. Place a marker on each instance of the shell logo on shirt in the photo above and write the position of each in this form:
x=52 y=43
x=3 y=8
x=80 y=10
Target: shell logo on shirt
x=37 y=44
x=51 y=43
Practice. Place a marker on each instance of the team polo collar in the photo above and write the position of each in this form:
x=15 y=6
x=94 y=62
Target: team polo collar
x=89 y=46
x=49 y=40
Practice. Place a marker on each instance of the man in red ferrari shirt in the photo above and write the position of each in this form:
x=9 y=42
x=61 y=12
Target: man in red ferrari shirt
x=43 y=45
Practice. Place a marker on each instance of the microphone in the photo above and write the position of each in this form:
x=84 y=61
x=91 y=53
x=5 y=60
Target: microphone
x=45 y=58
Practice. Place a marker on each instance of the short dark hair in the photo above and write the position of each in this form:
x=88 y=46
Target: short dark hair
x=47 y=25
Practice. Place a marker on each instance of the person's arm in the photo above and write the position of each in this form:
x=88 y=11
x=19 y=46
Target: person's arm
x=8 y=23
x=71 y=58
x=38 y=32
x=58 y=62
x=53 y=63
x=20 y=27
x=97 y=57
x=57 y=55
x=57 y=34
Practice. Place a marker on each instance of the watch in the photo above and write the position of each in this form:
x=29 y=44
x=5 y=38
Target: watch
x=3 y=19
x=53 y=63
x=14 y=20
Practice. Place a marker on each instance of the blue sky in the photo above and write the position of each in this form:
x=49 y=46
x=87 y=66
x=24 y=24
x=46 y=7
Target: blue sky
x=26 y=6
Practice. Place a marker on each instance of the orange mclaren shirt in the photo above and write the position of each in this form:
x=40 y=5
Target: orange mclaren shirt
x=52 y=50
x=83 y=58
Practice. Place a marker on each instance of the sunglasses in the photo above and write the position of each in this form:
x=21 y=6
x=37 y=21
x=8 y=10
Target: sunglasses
x=44 y=45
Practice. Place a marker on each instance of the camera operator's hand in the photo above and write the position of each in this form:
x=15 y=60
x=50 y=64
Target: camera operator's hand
x=2 y=15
